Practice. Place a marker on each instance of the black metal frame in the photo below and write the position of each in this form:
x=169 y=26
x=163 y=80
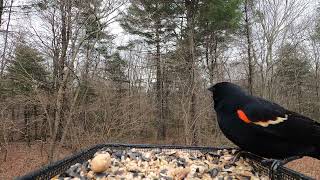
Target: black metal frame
x=281 y=172
x=61 y=166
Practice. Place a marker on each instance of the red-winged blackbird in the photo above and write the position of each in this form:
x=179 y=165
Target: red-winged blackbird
x=262 y=127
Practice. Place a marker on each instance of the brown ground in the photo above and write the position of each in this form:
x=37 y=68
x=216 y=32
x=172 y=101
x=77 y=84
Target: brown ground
x=22 y=159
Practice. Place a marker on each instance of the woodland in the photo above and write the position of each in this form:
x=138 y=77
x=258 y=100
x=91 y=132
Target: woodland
x=74 y=73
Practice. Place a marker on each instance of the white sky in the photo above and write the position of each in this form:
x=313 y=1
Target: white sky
x=19 y=20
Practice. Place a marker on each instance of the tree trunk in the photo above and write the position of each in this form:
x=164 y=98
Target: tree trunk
x=1 y=10
x=56 y=51
x=27 y=115
x=215 y=54
x=317 y=80
x=165 y=91
x=161 y=134
x=207 y=49
x=83 y=114
x=3 y=59
x=59 y=117
x=249 y=45
x=65 y=10
x=316 y=108
x=36 y=123
x=43 y=129
x=191 y=7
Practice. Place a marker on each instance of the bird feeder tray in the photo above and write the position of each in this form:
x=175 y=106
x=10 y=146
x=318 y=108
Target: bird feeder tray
x=61 y=166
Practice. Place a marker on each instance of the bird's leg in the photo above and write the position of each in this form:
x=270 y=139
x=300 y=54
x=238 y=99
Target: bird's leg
x=282 y=162
x=276 y=163
x=237 y=156
x=274 y=167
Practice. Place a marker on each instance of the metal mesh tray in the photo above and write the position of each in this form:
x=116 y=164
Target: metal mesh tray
x=61 y=166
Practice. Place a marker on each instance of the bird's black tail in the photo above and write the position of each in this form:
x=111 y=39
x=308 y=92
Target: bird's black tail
x=316 y=153
x=316 y=156
x=317 y=134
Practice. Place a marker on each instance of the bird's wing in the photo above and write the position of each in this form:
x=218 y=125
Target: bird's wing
x=275 y=120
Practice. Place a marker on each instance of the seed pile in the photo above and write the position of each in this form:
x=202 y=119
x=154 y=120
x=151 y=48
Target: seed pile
x=161 y=164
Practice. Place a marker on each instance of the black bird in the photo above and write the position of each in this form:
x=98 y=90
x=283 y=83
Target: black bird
x=263 y=127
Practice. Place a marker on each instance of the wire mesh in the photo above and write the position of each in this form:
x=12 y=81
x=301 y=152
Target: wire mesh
x=61 y=166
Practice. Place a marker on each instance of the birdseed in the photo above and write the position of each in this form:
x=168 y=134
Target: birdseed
x=159 y=164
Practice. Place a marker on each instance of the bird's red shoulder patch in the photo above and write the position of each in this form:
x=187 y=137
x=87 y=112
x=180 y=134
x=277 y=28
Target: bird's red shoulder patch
x=243 y=116
x=263 y=123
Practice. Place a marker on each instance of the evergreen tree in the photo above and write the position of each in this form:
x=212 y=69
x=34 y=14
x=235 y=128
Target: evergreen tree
x=25 y=73
x=205 y=24
x=26 y=70
x=293 y=72
x=96 y=44
x=218 y=20
x=153 y=21
x=293 y=68
x=220 y=15
x=116 y=68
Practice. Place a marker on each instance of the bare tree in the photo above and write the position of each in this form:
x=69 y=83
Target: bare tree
x=274 y=20
x=1 y=10
x=249 y=45
x=190 y=58
x=3 y=57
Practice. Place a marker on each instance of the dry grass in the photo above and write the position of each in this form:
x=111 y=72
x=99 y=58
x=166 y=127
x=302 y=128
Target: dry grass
x=23 y=159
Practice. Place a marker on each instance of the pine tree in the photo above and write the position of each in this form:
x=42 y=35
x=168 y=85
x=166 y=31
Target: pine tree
x=207 y=24
x=154 y=22
x=218 y=20
x=26 y=70
x=293 y=71
x=293 y=68
x=27 y=73
x=116 y=68
x=95 y=46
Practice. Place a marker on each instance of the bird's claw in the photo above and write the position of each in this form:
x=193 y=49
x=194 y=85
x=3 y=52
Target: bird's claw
x=268 y=161
x=274 y=163
x=274 y=166
x=237 y=156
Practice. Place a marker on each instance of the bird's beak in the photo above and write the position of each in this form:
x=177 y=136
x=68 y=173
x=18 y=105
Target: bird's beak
x=211 y=88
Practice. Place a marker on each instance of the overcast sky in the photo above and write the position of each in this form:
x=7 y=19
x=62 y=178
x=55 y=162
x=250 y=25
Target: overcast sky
x=20 y=20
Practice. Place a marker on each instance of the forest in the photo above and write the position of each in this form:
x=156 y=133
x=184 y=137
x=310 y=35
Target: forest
x=74 y=73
